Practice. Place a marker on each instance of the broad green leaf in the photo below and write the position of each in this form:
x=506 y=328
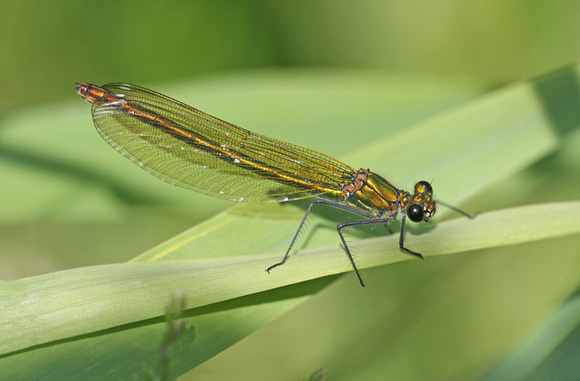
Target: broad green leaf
x=218 y=266
x=103 y=304
x=547 y=352
x=103 y=297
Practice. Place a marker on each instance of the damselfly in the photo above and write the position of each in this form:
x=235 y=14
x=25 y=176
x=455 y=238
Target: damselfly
x=191 y=149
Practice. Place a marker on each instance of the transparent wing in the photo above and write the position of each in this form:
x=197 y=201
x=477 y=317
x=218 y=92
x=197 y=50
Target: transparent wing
x=191 y=149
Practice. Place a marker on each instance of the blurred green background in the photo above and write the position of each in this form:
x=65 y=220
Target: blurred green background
x=47 y=46
x=355 y=70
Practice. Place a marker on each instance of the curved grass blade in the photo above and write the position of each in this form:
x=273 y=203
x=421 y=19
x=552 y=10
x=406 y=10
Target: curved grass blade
x=126 y=316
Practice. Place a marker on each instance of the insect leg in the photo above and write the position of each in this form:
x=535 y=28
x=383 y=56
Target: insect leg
x=339 y=227
x=402 y=238
x=332 y=204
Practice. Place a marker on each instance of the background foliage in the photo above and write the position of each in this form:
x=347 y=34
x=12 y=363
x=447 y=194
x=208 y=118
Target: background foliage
x=342 y=78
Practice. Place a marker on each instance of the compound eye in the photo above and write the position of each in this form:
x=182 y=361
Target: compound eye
x=423 y=187
x=415 y=213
